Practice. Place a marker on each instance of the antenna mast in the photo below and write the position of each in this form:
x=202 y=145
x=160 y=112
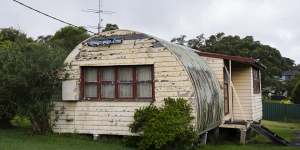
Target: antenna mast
x=100 y=19
x=99 y=11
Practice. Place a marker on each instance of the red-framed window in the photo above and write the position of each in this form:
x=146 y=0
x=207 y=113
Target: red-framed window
x=256 y=81
x=117 y=83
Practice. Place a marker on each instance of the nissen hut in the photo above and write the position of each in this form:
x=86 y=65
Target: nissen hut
x=110 y=75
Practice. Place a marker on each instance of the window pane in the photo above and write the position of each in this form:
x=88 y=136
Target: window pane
x=90 y=75
x=125 y=74
x=144 y=90
x=108 y=91
x=255 y=74
x=143 y=73
x=108 y=74
x=90 y=90
x=256 y=81
x=125 y=90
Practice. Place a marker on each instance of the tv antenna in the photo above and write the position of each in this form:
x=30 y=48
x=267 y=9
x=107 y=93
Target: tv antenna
x=100 y=12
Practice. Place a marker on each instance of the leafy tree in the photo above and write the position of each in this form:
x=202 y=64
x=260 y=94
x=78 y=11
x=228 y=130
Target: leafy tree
x=247 y=47
x=197 y=42
x=179 y=40
x=44 y=39
x=296 y=93
x=28 y=81
x=110 y=27
x=67 y=38
x=28 y=77
x=290 y=84
x=9 y=39
x=13 y=35
x=267 y=55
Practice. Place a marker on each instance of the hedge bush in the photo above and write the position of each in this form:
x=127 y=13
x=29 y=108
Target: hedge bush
x=167 y=127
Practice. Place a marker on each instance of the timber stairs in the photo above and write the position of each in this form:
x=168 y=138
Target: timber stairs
x=269 y=134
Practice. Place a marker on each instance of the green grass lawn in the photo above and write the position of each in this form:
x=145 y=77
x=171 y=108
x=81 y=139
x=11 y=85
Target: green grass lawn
x=259 y=142
x=23 y=139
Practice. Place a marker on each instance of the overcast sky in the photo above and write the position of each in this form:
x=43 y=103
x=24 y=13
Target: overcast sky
x=273 y=22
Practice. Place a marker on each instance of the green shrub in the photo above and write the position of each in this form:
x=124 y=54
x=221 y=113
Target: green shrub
x=296 y=93
x=20 y=121
x=167 y=127
x=141 y=116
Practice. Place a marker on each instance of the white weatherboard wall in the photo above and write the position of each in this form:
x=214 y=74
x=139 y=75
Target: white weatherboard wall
x=249 y=105
x=217 y=65
x=242 y=93
x=94 y=117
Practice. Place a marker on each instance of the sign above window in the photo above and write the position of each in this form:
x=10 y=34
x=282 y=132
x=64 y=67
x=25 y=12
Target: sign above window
x=97 y=41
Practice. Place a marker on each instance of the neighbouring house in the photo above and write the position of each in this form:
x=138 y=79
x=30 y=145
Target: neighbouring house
x=284 y=78
x=110 y=75
x=290 y=74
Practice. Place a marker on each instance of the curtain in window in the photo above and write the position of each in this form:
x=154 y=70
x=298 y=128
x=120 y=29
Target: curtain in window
x=90 y=75
x=108 y=85
x=90 y=82
x=144 y=82
x=125 y=74
x=108 y=90
x=108 y=74
x=144 y=74
x=125 y=78
x=144 y=90
x=90 y=90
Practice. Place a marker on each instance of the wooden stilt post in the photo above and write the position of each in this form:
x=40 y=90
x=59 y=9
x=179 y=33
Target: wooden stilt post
x=203 y=138
x=243 y=136
x=95 y=137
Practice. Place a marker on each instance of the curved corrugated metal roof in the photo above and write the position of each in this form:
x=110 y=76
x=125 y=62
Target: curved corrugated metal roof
x=209 y=98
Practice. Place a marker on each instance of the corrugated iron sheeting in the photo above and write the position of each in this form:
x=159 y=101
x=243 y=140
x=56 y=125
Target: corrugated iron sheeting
x=209 y=100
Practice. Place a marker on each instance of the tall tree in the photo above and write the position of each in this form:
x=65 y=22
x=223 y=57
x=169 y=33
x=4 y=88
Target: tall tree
x=68 y=37
x=9 y=39
x=44 y=39
x=179 y=40
x=28 y=80
x=110 y=27
x=197 y=42
x=247 y=47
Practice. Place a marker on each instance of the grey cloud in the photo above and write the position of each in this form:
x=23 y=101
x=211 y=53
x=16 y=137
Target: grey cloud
x=273 y=22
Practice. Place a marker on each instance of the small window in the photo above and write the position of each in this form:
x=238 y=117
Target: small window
x=256 y=81
x=117 y=82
